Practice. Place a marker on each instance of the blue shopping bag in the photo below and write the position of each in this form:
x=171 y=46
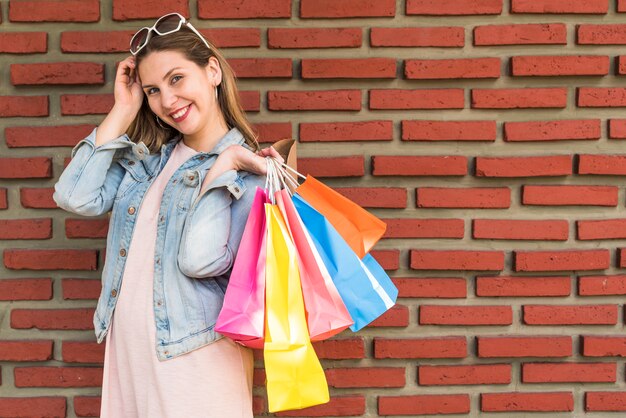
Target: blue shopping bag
x=365 y=288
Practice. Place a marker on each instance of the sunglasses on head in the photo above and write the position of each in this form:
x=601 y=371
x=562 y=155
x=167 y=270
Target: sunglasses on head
x=165 y=25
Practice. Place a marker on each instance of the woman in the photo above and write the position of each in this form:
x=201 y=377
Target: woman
x=177 y=163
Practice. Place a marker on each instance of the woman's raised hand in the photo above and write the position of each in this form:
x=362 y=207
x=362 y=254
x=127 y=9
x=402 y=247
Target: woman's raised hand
x=128 y=93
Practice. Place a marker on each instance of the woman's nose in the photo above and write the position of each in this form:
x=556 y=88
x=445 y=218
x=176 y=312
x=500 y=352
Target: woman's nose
x=168 y=99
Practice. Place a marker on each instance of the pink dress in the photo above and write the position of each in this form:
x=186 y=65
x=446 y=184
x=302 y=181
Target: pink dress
x=212 y=381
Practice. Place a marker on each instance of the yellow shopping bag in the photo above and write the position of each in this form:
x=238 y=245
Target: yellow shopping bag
x=295 y=378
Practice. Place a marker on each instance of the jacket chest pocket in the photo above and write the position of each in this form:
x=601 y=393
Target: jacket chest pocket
x=135 y=174
x=188 y=186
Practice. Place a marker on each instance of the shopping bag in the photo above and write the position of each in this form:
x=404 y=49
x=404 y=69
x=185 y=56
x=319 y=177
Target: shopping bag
x=365 y=288
x=242 y=317
x=295 y=378
x=326 y=314
x=358 y=227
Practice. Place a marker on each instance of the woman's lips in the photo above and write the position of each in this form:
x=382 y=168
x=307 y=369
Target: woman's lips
x=183 y=117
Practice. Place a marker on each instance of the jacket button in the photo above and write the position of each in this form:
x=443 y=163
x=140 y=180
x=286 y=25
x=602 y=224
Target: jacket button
x=131 y=162
x=131 y=210
x=192 y=178
x=113 y=293
x=123 y=252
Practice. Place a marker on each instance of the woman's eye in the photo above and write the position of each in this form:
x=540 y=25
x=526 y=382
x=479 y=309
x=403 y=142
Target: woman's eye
x=176 y=78
x=151 y=90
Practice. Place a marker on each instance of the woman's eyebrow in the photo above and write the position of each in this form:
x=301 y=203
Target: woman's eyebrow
x=143 y=86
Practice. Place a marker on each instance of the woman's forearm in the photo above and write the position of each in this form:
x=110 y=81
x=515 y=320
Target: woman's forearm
x=114 y=125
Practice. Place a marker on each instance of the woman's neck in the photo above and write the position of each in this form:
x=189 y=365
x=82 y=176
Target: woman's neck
x=207 y=138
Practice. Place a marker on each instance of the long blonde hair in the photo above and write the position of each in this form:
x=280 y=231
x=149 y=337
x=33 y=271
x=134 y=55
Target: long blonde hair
x=145 y=127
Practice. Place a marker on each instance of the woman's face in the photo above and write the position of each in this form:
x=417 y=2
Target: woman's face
x=179 y=92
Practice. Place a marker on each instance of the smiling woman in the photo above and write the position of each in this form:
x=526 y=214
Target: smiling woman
x=177 y=162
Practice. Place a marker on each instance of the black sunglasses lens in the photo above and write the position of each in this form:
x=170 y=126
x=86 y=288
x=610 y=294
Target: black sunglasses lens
x=167 y=24
x=139 y=39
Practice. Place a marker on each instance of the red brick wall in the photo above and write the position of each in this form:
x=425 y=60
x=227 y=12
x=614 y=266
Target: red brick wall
x=487 y=133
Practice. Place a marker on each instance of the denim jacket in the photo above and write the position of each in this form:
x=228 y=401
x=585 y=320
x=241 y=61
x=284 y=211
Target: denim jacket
x=197 y=234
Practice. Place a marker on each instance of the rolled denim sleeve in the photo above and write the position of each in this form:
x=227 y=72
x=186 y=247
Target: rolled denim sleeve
x=89 y=183
x=215 y=224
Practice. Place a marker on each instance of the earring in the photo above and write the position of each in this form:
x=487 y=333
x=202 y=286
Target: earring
x=159 y=122
x=216 y=92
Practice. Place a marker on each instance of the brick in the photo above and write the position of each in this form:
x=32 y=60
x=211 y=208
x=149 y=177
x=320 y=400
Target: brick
x=602 y=285
x=575 y=65
x=23 y=106
x=86 y=228
x=58 y=377
x=95 y=41
x=424 y=228
x=314 y=100
x=568 y=372
x=35 y=406
x=527 y=402
x=82 y=352
x=555 y=130
x=246 y=9
x=522 y=286
x=4 y=203
x=26 y=228
x=81 y=288
x=366 y=377
x=539 y=166
x=39 y=350
x=272 y=132
x=87 y=406
x=397 y=316
x=251 y=102
x=349 y=166
x=477 y=197
x=562 y=260
x=436 y=287
x=339 y=406
x=347 y=8
x=448 y=165
x=433 y=130
x=35 y=259
x=261 y=67
x=569 y=195
x=522 y=346
x=456 y=260
x=388 y=259
x=520 y=229
x=375 y=130
x=439 y=347
x=484 y=374
x=357 y=68
x=86 y=104
x=399 y=99
x=621 y=6
x=560 y=6
x=465 y=315
x=37 y=198
x=25 y=289
x=605 y=401
x=617 y=129
x=128 y=9
x=57 y=73
x=376 y=197
x=453 y=7
x=25 y=168
x=621 y=65
x=233 y=37
x=603 y=346
x=53 y=319
x=340 y=349
x=54 y=11
x=424 y=405
x=305 y=38
x=437 y=36
x=23 y=42
x=521 y=34
x=613 y=34
x=46 y=136
x=612 y=165
x=524 y=98
x=432 y=69
x=601 y=229
x=601 y=97
x=570 y=315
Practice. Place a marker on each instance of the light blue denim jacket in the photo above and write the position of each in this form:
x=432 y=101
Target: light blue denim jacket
x=197 y=235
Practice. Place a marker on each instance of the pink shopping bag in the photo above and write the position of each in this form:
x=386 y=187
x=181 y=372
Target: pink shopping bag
x=242 y=317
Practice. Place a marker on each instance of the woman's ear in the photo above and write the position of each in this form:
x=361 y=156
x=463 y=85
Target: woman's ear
x=214 y=71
